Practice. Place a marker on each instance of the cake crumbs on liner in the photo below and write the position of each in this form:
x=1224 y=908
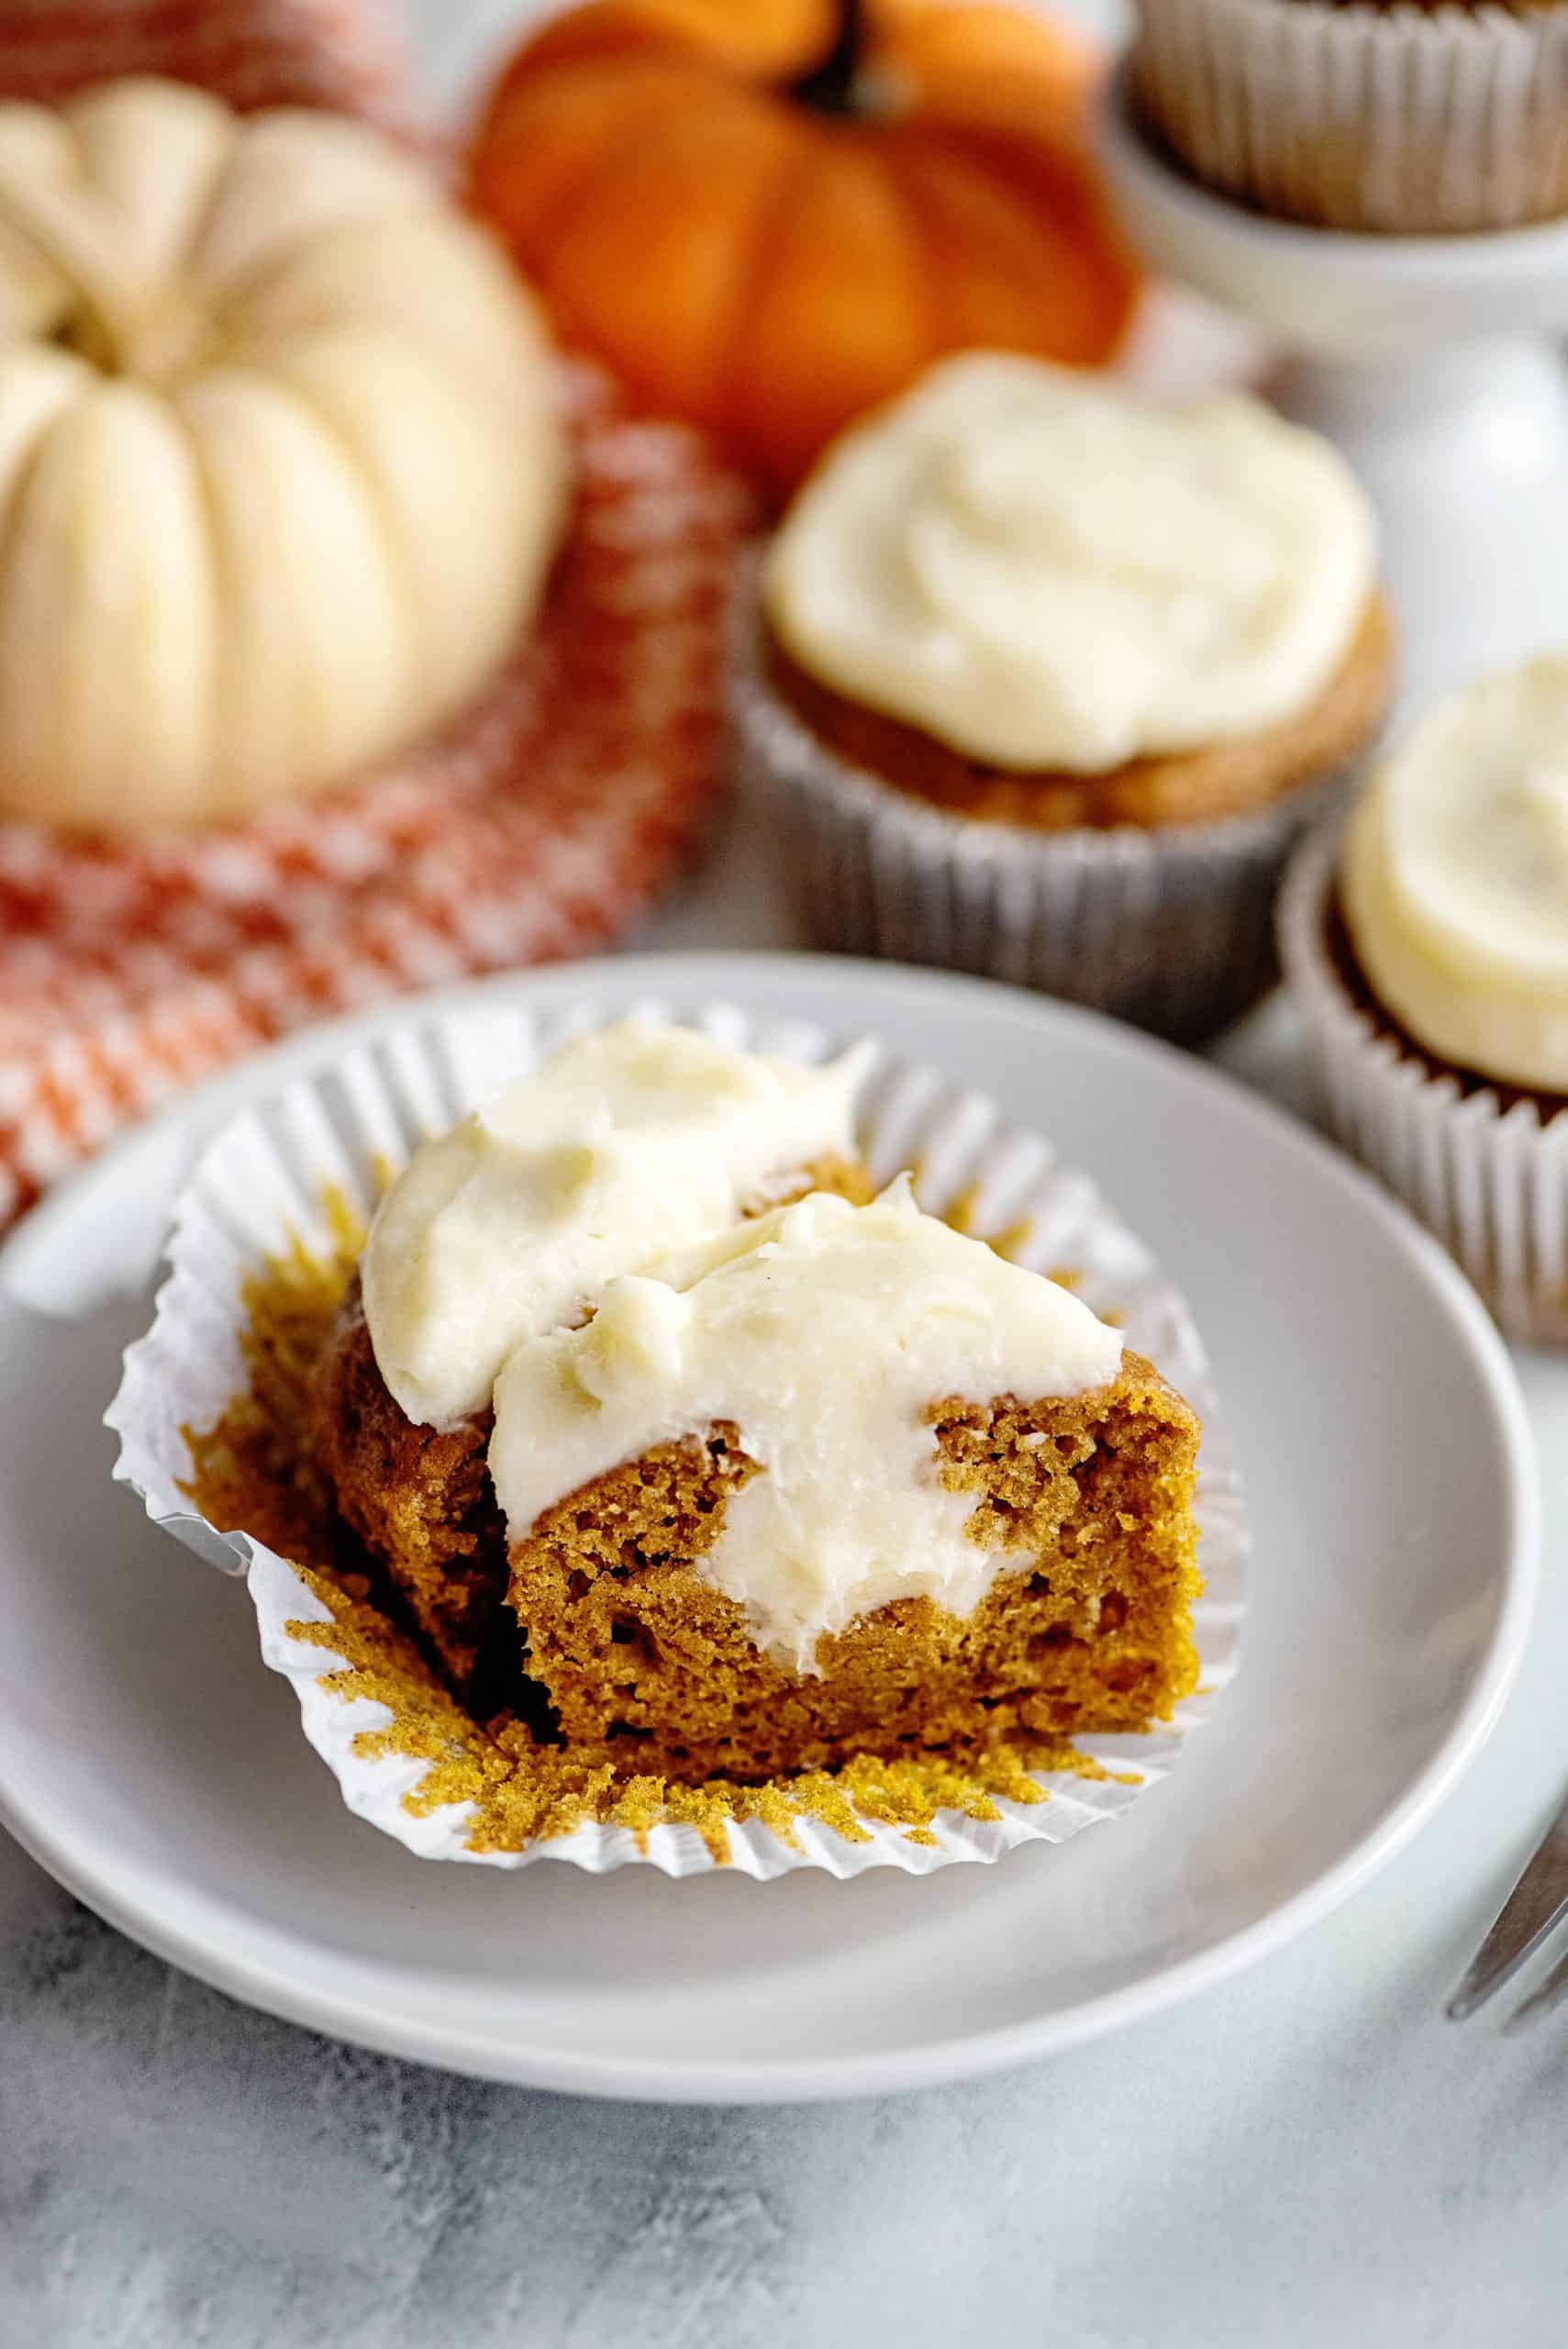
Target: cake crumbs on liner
x=254 y=1472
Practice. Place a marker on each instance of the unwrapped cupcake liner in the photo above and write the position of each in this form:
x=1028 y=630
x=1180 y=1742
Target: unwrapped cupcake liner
x=1490 y=1181
x=1171 y=928
x=1405 y=120
x=264 y=1182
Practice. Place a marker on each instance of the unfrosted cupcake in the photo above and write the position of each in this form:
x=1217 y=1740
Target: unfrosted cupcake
x=1428 y=950
x=1410 y=118
x=1046 y=678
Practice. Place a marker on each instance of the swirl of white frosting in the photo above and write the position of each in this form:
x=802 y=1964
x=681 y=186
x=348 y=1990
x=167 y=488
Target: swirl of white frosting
x=1454 y=878
x=1049 y=573
x=625 y=1144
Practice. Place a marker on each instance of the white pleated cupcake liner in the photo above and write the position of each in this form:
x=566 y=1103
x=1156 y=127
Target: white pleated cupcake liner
x=1171 y=928
x=1405 y=120
x=262 y=1184
x=1489 y=1181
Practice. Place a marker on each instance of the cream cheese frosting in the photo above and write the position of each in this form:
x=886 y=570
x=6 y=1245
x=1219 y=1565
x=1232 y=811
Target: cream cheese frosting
x=825 y=1333
x=1049 y=573
x=628 y=1143
x=1454 y=878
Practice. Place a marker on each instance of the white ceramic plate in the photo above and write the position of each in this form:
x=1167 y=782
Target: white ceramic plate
x=152 y=1763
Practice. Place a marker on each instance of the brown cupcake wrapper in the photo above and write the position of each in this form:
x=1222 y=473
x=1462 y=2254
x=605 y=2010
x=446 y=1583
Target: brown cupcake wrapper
x=1487 y=1178
x=1170 y=928
x=1408 y=121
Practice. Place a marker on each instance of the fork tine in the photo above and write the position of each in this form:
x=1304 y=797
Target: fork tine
x=1552 y=1993
x=1536 y=1905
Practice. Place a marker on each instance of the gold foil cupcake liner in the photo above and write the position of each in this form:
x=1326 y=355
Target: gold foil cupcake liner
x=285 y=1171
x=1403 y=120
x=1172 y=928
x=1488 y=1180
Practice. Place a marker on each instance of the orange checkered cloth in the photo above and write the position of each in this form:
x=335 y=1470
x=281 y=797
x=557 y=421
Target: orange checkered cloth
x=539 y=825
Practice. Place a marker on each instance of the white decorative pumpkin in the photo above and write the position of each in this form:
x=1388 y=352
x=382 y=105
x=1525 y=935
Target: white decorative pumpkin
x=281 y=473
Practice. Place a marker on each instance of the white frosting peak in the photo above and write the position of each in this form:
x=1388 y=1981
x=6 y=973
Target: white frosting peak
x=1047 y=572
x=824 y=1332
x=626 y=1144
x=1456 y=878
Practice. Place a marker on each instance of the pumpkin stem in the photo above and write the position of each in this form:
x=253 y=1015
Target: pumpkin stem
x=830 y=87
x=73 y=243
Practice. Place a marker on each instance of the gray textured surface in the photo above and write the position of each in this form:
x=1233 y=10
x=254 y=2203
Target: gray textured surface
x=1309 y=2156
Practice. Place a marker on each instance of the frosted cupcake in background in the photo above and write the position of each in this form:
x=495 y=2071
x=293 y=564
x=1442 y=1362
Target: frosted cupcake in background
x=1411 y=119
x=1046 y=678
x=1428 y=950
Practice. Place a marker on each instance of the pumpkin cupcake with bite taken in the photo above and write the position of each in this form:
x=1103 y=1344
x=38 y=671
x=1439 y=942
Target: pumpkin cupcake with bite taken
x=1046 y=678
x=643 y=1407
x=1428 y=950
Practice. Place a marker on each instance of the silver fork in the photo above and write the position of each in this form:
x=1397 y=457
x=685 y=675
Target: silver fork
x=1531 y=1914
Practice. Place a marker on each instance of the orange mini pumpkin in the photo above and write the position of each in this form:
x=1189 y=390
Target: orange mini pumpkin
x=771 y=247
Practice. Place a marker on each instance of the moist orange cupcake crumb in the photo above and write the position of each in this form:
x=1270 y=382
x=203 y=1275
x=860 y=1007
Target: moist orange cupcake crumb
x=1091 y=1630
